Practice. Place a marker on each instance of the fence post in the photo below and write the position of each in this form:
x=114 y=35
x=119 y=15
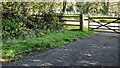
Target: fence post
x=81 y=21
x=88 y=23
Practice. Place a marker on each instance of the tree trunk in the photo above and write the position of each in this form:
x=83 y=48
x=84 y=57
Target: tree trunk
x=106 y=7
x=64 y=6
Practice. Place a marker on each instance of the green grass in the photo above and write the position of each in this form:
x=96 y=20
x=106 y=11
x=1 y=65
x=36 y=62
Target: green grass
x=85 y=17
x=71 y=14
x=15 y=49
x=73 y=27
x=106 y=20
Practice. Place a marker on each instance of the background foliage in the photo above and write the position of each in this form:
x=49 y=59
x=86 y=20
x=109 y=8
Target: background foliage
x=29 y=19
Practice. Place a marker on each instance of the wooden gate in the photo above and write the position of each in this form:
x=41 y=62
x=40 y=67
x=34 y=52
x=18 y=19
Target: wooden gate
x=80 y=17
x=109 y=23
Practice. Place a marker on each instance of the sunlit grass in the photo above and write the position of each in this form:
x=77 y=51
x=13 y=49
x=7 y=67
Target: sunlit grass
x=85 y=17
x=106 y=20
x=13 y=47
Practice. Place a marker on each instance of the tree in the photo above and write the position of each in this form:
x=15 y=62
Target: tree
x=64 y=6
x=106 y=7
x=83 y=7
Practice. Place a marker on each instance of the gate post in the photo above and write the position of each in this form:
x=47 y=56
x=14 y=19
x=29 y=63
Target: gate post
x=81 y=21
x=88 y=23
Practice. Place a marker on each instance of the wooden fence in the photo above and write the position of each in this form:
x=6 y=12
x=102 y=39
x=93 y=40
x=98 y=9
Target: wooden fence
x=80 y=17
x=92 y=20
x=81 y=20
x=115 y=27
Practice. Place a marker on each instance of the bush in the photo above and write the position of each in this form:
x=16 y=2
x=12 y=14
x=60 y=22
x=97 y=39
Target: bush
x=12 y=29
x=19 y=23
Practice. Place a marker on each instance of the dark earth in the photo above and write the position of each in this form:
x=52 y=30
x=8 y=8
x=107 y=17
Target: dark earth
x=100 y=49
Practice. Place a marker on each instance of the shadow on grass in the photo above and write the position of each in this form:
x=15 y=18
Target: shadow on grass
x=74 y=30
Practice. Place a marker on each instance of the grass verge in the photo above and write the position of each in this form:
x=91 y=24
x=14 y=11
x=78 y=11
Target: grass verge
x=15 y=49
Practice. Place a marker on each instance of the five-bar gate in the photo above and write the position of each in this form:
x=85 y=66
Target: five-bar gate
x=109 y=23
